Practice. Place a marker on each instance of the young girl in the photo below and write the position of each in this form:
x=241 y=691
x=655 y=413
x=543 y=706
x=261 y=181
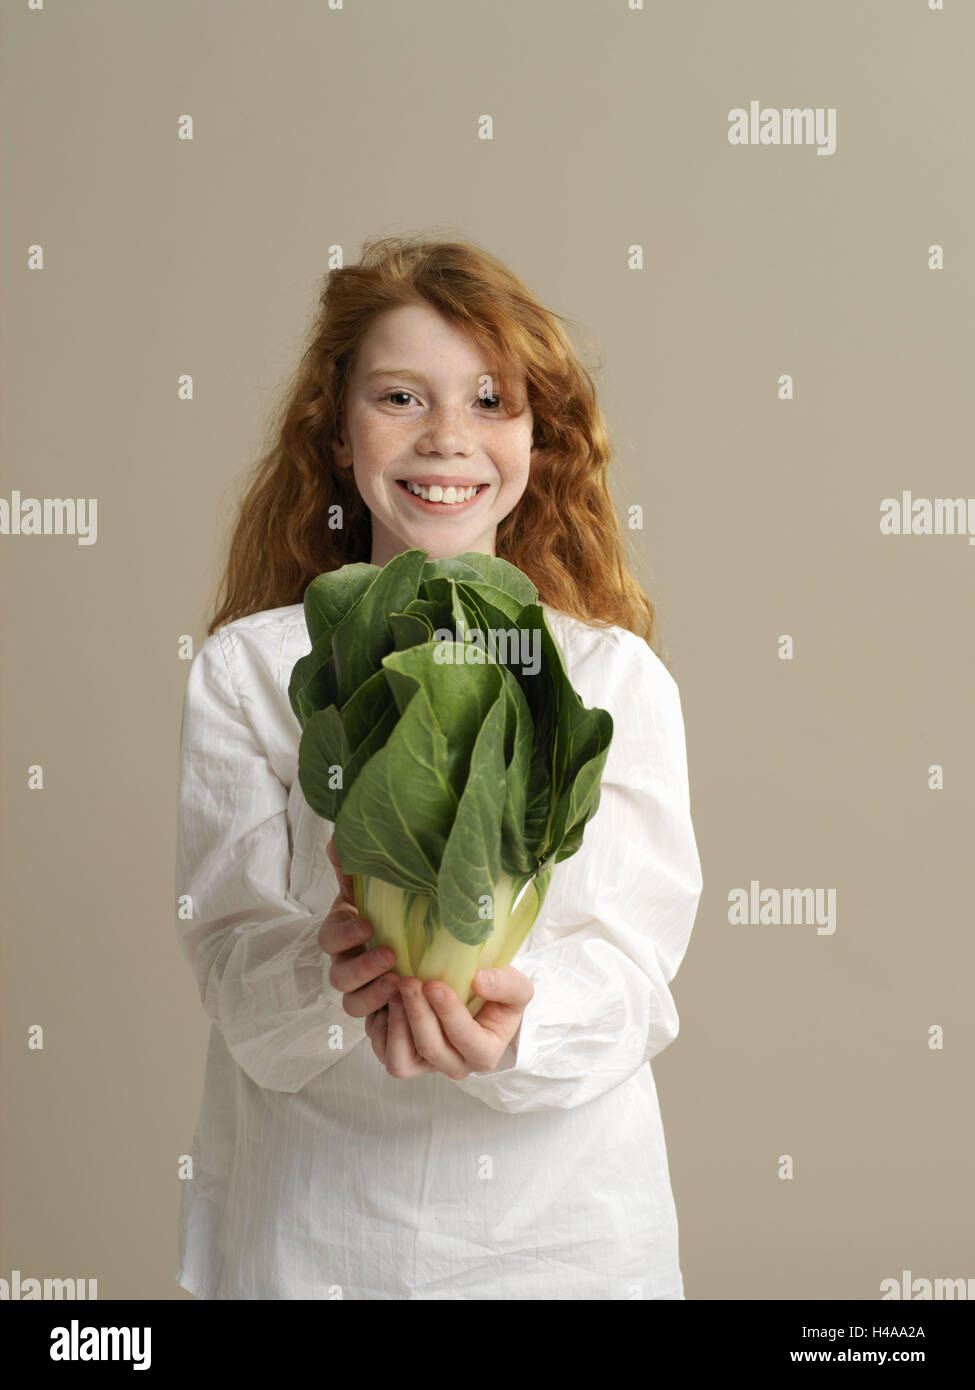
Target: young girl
x=342 y=1152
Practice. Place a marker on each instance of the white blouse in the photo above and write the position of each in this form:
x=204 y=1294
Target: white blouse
x=316 y=1174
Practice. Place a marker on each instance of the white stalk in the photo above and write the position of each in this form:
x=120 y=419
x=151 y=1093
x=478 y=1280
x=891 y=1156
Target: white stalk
x=398 y=924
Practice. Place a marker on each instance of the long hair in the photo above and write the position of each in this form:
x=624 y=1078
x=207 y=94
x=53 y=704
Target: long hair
x=564 y=533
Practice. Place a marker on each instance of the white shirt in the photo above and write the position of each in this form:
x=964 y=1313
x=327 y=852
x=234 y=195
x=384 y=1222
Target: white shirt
x=316 y=1174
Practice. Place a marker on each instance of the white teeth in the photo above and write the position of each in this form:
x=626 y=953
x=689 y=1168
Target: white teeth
x=436 y=493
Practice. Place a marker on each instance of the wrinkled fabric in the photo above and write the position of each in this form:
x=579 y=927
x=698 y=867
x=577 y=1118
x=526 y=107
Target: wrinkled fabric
x=317 y=1175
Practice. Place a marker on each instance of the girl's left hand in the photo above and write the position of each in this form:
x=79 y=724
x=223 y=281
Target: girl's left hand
x=424 y=1033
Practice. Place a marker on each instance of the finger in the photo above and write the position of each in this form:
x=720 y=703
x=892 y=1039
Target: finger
x=376 y=1025
x=343 y=929
x=399 y=1047
x=360 y=1003
x=479 y=1046
x=353 y=969
x=504 y=985
x=505 y=993
x=428 y=1035
x=402 y=1059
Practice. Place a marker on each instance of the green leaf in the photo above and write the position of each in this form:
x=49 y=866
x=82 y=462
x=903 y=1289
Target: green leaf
x=471 y=862
x=363 y=636
x=487 y=570
x=323 y=746
x=312 y=683
x=518 y=851
x=459 y=695
x=397 y=814
x=334 y=594
x=409 y=629
x=366 y=707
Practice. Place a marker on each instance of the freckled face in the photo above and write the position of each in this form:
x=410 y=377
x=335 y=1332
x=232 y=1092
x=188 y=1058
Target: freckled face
x=421 y=406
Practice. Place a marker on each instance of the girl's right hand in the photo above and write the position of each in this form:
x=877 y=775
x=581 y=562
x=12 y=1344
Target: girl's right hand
x=364 y=978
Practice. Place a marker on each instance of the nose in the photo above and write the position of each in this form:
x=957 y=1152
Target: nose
x=446 y=432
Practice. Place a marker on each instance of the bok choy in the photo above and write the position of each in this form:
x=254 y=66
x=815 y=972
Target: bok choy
x=442 y=738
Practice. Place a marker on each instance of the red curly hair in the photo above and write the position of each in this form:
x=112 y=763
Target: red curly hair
x=564 y=533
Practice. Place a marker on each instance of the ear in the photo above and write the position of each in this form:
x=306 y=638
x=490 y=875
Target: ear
x=342 y=454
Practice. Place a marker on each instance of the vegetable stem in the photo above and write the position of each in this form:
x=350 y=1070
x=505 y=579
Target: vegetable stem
x=397 y=917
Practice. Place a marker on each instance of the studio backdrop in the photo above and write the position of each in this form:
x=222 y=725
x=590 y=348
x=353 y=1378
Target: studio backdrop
x=756 y=220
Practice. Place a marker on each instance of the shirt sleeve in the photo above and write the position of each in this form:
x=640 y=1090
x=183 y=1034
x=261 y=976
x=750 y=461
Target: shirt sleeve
x=618 y=914
x=261 y=973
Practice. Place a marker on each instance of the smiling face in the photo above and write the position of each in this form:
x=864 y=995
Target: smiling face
x=418 y=409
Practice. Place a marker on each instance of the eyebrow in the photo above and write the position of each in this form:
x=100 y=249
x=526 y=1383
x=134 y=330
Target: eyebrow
x=411 y=371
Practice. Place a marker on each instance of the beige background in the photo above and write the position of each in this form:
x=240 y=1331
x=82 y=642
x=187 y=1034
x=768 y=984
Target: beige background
x=316 y=127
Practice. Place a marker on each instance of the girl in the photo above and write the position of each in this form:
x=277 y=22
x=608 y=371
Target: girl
x=343 y=1152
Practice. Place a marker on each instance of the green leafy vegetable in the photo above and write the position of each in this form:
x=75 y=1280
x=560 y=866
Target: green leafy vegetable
x=442 y=738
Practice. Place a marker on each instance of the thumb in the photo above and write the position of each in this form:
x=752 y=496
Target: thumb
x=505 y=985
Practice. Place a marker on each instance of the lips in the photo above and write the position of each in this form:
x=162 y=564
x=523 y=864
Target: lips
x=441 y=508
x=448 y=480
